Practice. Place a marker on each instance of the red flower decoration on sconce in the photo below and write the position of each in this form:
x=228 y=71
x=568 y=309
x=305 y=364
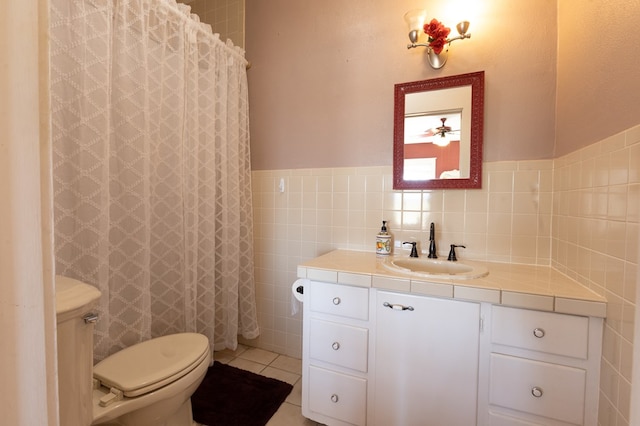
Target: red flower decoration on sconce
x=438 y=34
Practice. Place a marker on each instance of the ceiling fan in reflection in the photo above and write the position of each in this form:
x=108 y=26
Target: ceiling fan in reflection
x=441 y=134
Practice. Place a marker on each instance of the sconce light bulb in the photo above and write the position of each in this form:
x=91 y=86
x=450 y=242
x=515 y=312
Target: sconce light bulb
x=415 y=19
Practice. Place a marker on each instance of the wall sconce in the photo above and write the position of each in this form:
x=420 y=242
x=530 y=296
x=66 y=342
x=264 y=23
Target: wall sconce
x=438 y=41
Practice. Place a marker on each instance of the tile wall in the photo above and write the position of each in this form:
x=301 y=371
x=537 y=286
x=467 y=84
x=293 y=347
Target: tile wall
x=578 y=213
x=226 y=17
x=319 y=210
x=595 y=240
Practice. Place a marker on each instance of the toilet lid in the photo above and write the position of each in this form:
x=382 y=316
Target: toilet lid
x=149 y=365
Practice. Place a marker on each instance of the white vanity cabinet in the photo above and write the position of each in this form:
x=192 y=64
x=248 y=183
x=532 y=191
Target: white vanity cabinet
x=426 y=360
x=543 y=367
x=421 y=362
x=519 y=347
x=335 y=357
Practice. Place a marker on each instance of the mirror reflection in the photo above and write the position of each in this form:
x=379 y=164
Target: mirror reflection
x=432 y=145
x=438 y=133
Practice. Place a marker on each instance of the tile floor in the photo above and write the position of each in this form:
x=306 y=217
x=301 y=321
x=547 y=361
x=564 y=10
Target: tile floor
x=279 y=367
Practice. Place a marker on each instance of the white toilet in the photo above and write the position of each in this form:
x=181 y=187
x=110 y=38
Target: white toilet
x=148 y=384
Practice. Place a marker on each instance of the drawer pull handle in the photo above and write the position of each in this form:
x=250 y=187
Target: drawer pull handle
x=538 y=332
x=90 y=318
x=336 y=300
x=536 y=391
x=396 y=307
x=334 y=398
x=335 y=346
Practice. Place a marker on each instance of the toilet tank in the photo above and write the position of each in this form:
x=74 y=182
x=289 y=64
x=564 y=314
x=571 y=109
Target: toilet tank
x=74 y=302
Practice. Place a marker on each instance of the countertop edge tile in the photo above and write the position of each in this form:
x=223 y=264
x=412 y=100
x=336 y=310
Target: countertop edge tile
x=518 y=285
x=581 y=307
x=476 y=294
x=527 y=300
x=387 y=283
x=359 y=280
x=325 y=275
x=432 y=289
x=301 y=272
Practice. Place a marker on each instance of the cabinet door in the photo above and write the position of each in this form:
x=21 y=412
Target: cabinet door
x=426 y=360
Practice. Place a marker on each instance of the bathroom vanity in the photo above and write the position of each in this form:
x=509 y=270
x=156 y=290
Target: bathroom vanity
x=519 y=346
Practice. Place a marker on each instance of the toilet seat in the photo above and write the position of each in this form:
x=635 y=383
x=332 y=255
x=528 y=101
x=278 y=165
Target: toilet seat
x=152 y=364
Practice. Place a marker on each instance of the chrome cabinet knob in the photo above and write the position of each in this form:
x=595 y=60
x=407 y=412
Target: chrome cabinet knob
x=538 y=332
x=536 y=391
x=334 y=398
x=335 y=346
x=336 y=300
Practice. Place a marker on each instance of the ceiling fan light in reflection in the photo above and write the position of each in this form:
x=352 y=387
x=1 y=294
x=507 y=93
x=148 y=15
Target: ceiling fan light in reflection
x=441 y=139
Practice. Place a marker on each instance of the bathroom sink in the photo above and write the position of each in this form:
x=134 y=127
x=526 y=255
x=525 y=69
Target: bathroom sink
x=434 y=268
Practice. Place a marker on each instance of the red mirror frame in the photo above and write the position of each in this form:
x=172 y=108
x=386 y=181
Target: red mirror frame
x=474 y=181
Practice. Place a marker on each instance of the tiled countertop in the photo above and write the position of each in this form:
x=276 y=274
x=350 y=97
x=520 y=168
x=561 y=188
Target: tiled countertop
x=523 y=286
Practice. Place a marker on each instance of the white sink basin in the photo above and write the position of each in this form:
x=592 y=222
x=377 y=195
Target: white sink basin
x=434 y=268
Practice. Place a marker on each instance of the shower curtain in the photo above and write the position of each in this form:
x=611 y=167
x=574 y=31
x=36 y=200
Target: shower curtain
x=152 y=191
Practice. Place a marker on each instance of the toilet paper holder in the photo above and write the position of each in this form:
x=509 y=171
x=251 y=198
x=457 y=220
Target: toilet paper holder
x=297 y=290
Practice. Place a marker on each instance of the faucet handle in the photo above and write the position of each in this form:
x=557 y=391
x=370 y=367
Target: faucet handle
x=452 y=252
x=414 y=251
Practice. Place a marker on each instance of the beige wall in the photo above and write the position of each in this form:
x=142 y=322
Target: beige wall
x=598 y=72
x=322 y=77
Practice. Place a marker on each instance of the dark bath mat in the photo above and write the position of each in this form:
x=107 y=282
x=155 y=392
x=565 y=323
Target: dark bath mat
x=229 y=396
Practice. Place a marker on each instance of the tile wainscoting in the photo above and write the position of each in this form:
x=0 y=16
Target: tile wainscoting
x=595 y=235
x=578 y=213
x=319 y=210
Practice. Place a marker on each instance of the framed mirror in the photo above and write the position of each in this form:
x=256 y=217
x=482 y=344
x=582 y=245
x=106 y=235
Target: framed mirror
x=437 y=133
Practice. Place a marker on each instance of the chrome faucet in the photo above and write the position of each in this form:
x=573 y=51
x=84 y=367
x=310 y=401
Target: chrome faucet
x=432 y=242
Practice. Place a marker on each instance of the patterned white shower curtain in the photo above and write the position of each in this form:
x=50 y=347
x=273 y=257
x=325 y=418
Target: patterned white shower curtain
x=152 y=191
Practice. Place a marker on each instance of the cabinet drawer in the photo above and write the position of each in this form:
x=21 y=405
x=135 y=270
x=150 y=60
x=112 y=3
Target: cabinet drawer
x=559 y=390
x=497 y=419
x=338 y=344
x=549 y=332
x=342 y=300
x=337 y=395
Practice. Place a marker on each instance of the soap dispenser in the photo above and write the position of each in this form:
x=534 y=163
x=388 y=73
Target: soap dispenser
x=383 y=241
